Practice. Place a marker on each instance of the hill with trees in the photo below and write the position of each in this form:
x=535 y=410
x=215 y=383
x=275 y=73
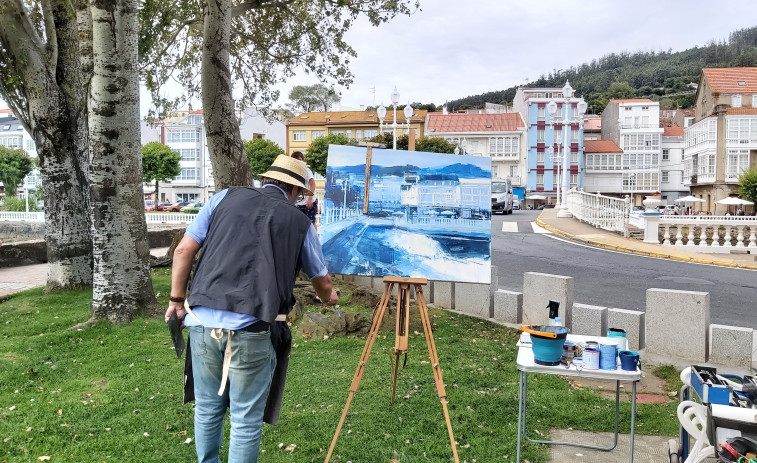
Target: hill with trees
x=661 y=76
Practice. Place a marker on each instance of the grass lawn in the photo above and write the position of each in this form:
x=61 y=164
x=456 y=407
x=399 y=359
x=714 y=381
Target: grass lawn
x=113 y=393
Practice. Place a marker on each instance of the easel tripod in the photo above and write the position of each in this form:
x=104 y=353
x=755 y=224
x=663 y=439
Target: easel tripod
x=400 y=347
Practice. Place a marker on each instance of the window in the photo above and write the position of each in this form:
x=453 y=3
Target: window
x=737 y=161
x=665 y=176
x=298 y=135
x=337 y=132
x=736 y=101
x=183 y=136
x=627 y=108
x=754 y=101
x=574 y=157
x=645 y=108
x=541 y=114
x=358 y=134
x=12 y=142
x=573 y=180
x=540 y=181
x=540 y=157
x=742 y=131
x=190 y=154
x=316 y=134
x=513 y=171
x=665 y=155
x=609 y=161
x=369 y=133
x=187 y=173
x=558 y=135
x=30 y=145
x=503 y=146
x=540 y=136
x=348 y=133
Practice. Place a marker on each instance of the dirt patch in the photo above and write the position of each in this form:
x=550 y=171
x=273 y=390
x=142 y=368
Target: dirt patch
x=649 y=385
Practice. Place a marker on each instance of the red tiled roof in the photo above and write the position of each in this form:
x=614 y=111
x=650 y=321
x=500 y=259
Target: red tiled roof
x=593 y=124
x=726 y=80
x=742 y=111
x=197 y=111
x=352 y=117
x=632 y=100
x=601 y=146
x=500 y=122
x=673 y=131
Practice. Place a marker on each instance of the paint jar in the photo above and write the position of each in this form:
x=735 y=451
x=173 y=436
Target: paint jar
x=568 y=352
x=591 y=358
x=629 y=360
x=608 y=356
x=619 y=336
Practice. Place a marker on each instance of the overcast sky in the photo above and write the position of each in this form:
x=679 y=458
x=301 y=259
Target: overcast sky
x=456 y=48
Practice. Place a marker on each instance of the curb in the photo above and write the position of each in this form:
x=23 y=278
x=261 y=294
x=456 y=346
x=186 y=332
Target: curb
x=660 y=255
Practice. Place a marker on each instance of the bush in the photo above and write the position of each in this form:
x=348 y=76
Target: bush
x=16 y=204
x=190 y=211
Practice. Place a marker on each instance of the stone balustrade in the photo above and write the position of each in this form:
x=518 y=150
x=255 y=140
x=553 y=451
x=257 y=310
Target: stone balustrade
x=708 y=234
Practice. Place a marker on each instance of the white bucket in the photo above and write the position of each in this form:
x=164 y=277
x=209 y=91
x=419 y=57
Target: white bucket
x=591 y=359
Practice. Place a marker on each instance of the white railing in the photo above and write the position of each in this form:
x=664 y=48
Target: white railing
x=169 y=217
x=603 y=212
x=22 y=216
x=710 y=234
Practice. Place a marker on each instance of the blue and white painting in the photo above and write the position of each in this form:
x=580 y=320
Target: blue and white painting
x=429 y=215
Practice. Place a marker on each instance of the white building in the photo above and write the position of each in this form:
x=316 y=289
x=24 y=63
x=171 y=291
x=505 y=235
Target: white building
x=634 y=125
x=499 y=136
x=13 y=136
x=671 y=166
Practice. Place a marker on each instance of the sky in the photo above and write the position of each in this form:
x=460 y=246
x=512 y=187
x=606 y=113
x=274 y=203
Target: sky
x=452 y=48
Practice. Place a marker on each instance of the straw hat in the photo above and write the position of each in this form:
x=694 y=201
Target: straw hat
x=289 y=170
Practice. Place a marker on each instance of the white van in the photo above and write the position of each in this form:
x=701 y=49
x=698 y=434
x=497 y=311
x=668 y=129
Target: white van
x=502 y=196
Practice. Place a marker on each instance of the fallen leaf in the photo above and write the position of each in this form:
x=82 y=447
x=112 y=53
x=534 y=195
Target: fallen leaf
x=43 y=458
x=59 y=412
x=290 y=447
x=146 y=434
x=189 y=439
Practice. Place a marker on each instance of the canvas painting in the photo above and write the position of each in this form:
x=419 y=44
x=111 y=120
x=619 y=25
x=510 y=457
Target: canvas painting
x=427 y=215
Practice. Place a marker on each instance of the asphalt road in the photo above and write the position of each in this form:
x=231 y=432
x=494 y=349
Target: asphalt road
x=613 y=279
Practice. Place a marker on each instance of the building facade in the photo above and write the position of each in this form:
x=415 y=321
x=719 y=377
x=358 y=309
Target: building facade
x=357 y=125
x=542 y=173
x=634 y=125
x=500 y=136
x=672 y=186
x=13 y=136
x=722 y=141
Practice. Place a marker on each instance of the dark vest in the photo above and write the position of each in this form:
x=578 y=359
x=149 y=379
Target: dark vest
x=251 y=255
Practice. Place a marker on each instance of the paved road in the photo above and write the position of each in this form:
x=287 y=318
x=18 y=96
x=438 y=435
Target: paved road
x=614 y=279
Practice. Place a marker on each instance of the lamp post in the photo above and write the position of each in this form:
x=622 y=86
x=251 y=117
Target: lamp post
x=381 y=111
x=566 y=119
x=555 y=157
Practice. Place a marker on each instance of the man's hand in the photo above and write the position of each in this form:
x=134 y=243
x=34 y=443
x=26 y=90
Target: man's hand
x=334 y=298
x=179 y=309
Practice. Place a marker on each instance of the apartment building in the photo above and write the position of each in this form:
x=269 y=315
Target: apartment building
x=358 y=125
x=500 y=136
x=13 y=136
x=721 y=142
x=542 y=169
x=672 y=186
x=634 y=125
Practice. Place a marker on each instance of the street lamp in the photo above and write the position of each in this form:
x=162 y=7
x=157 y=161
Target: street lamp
x=555 y=157
x=382 y=113
x=566 y=120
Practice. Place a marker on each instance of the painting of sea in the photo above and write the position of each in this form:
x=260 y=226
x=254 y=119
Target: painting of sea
x=428 y=215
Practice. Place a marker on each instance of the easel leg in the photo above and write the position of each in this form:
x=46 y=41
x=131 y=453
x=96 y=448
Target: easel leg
x=402 y=327
x=372 y=335
x=423 y=310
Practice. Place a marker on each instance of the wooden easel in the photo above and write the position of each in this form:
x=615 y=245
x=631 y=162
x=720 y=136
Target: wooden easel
x=400 y=347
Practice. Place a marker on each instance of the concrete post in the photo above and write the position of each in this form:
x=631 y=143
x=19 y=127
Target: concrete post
x=666 y=310
x=651 y=227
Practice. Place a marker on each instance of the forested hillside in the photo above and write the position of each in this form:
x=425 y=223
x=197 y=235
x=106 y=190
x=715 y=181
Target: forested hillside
x=661 y=76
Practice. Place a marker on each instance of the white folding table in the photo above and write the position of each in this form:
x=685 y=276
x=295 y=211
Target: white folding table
x=527 y=365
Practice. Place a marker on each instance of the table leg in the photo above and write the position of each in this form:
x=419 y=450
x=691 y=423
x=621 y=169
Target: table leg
x=521 y=397
x=633 y=415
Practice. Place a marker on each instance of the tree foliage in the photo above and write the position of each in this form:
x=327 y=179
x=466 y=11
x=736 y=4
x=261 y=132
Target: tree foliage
x=159 y=164
x=427 y=144
x=317 y=97
x=748 y=185
x=270 y=40
x=653 y=74
x=318 y=151
x=261 y=153
x=14 y=166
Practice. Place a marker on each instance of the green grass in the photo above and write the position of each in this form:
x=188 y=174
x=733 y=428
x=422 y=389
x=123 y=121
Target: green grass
x=113 y=393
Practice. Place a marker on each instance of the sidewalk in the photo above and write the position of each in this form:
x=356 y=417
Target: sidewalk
x=575 y=230
x=15 y=279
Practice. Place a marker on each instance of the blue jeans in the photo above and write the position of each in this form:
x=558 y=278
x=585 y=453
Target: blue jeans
x=252 y=363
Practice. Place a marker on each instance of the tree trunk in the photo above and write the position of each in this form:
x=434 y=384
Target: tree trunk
x=50 y=103
x=157 y=192
x=122 y=285
x=230 y=165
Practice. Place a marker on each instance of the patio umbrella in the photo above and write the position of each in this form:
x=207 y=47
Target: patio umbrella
x=733 y=201
x=689 y=199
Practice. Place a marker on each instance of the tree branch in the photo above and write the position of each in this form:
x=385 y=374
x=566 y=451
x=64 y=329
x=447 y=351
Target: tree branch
x=51 y=34
x=246 y=6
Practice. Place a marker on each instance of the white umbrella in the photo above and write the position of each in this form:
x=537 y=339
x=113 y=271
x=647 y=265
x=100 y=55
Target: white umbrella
x=689 y=199
x=733 y=201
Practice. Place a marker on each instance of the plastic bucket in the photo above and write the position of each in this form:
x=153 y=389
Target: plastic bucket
x=629 y=361
x=620 y=334
x=547 y=343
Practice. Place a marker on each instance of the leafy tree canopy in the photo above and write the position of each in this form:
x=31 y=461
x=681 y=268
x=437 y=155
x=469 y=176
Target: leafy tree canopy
x=261 y=153
x=318 y=151
x=427 y=144
x=159 y=162
x=270 y=40
x=748 y=185
x=307 y=98
x=14 y=166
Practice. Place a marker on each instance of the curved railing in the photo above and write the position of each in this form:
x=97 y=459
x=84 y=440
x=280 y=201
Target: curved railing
x=601 y=211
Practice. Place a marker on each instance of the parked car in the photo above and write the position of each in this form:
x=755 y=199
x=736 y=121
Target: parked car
x=545 y=206
x=162 y=206
x=639 y=208
x=516 y=204
x=189 y=206
x=149 y=205
x=176 y=207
